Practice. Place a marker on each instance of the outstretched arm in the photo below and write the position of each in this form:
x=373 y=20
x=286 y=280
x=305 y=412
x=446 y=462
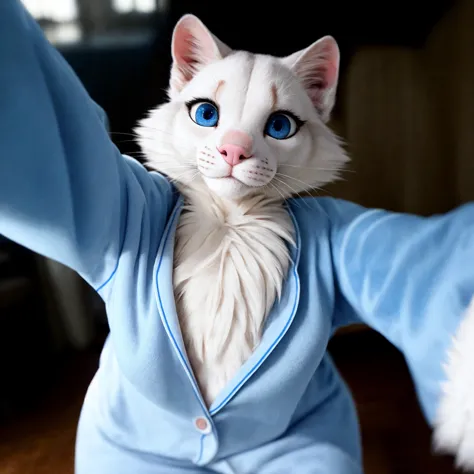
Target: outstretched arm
x=64 y=188
x=412 y=279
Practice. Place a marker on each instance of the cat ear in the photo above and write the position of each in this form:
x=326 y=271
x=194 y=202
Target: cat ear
x=193 y=47
x=317 y=67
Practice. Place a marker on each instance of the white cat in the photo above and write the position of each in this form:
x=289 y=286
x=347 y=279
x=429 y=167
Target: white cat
x=240 y=134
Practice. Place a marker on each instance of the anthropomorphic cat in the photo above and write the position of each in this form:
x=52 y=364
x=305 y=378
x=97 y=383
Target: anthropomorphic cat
x=237 y=148
x=222 y=289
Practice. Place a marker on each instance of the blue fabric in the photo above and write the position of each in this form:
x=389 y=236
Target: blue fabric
x=67 y=193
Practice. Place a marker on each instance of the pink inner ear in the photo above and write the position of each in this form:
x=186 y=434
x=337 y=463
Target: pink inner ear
x=330 y=75
x=319 y=80
x=318 y=71
x=326 y=63
x=184 y=52
x=318 y=84
x=193 y=46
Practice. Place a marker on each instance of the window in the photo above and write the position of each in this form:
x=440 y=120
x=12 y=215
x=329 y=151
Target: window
x=127 y=6
x=62 y=12
x=71 y=20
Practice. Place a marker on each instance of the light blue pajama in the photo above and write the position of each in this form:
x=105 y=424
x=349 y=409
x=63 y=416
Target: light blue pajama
x=67 y=193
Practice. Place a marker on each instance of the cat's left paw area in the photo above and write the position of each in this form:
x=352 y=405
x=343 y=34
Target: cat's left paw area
x=454 y=426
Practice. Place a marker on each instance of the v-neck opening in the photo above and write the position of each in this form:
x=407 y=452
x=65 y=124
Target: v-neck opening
x=276 y=325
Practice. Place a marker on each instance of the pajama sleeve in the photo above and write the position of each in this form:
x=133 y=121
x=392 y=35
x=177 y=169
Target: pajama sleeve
x=412 y=279
x=65 y=190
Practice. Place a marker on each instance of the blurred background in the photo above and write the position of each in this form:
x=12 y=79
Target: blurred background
x=406 y=110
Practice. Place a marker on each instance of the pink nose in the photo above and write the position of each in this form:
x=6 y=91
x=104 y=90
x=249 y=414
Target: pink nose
x=237 y=146
x=233 y=154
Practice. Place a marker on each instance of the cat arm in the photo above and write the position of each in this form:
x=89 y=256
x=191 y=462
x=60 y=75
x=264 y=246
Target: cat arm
x=412 y=279
x=65 y=190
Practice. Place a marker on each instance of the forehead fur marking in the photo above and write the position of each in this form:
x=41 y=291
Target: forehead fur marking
x=274 y=97
x=218 y=89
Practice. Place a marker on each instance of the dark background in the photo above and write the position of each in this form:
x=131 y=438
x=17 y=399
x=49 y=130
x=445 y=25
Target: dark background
x=125 y=65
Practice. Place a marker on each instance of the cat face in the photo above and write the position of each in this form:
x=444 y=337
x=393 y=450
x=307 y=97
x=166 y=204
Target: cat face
x=242 y=124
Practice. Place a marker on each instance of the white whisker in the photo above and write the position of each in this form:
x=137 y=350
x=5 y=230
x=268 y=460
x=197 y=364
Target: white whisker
x=337 y=171
x=307 y=185
x=177 y=179
x=282 y=195
x=294 y=191
x=168 y=168
x=277 y=190
x=166 y=132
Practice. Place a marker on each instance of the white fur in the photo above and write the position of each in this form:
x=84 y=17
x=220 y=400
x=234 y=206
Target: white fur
x=230 y=262
x=231 y=251
x=454 y=427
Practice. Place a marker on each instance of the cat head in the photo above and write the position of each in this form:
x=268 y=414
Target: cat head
x=238 y=124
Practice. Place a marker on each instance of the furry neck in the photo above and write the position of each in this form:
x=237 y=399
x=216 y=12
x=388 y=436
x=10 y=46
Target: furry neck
x=231 y=260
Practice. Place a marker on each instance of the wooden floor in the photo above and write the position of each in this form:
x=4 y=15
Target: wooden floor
x=396 y=439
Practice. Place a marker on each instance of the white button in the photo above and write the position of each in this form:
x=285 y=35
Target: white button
x=202 y=425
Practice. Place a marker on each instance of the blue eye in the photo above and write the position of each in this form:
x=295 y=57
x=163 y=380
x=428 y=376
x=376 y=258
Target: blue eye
x=204 y=114
x=280 y=126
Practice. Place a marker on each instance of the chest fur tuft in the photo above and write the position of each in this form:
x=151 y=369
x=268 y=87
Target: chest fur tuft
x=229 y=268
